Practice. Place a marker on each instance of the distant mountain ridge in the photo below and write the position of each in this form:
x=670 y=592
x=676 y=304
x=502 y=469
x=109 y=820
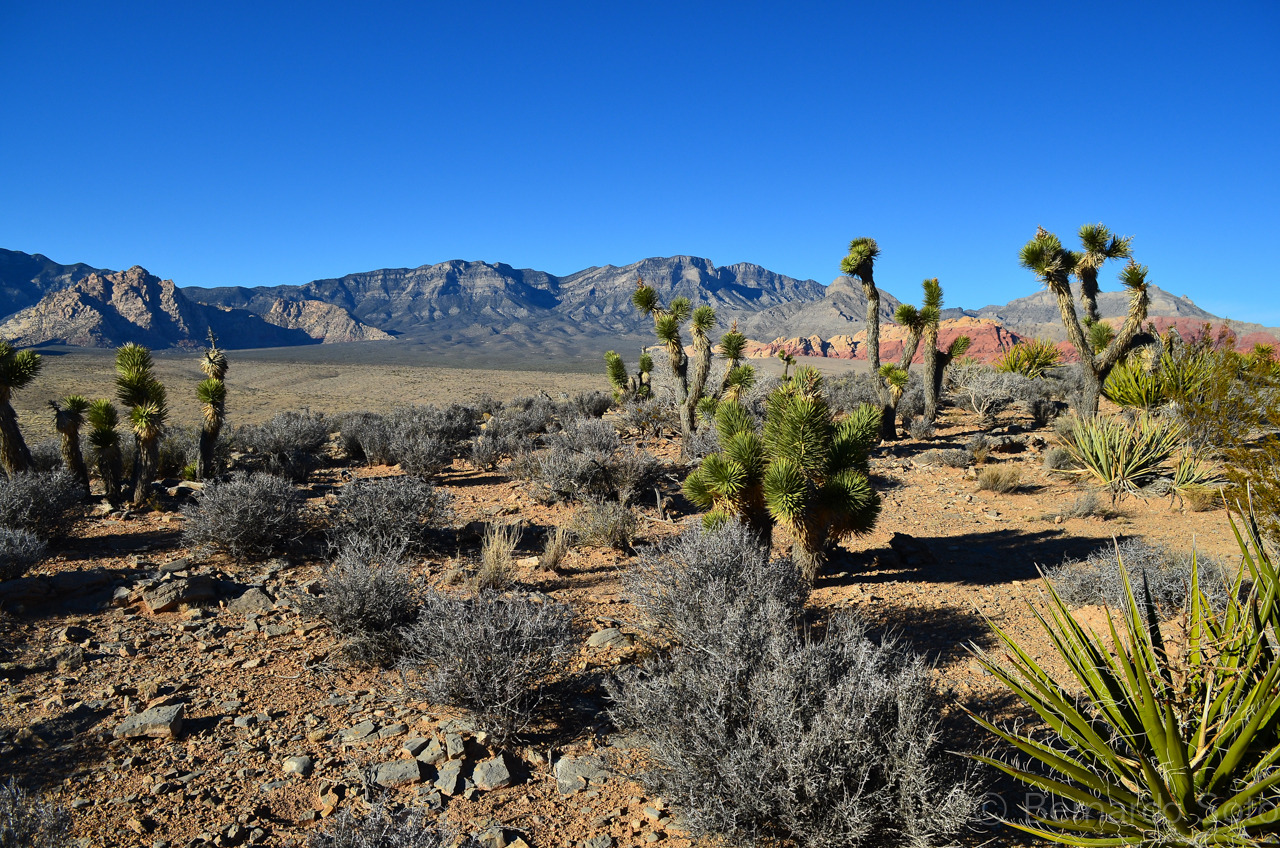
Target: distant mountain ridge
x=480 y=304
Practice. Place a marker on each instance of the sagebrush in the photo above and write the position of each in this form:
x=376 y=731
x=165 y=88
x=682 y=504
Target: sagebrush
x=244 y=515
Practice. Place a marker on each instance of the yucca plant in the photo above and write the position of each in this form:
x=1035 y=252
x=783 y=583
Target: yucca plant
x=211 y=392
x=737 y=377
x=68 y=418
x=930 y=318
x=1195 y=480
x=666 y=326
x=860 y=264
x=104 y=446
x=729 y=484
x=1031 y=359
x=1119 y=455
x=138 y=389
x=815 y=482
x=627 y=386
x=1155 y=740
x=1134 y=386
x=17 y=369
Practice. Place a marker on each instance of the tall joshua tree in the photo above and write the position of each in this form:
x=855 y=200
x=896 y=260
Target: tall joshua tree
x=930 y=318
x=1045 y=256
x=1099 y=244
x=212 y=394
x=68 y=418
x=860 y=264
x=17 y=369
x=138 y=389
x=666 y=326
x=737 y=377
x=104 y=443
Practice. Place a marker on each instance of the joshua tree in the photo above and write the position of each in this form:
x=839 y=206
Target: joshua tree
x=860 y=264
x=17 y=369
x=1099 y=245
x=737 y=377
x=138 y=389
x=625 y=385
x=68 y=418
x=804 y=471
x=666 y=326
x=930 y=318
x=104 y=442
x=212 y=394
x=788 y=362
x=1045 y=256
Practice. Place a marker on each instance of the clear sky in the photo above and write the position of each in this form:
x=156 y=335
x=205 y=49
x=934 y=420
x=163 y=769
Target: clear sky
x=258 y=143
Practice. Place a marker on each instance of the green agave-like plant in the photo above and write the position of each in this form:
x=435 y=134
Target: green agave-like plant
x=68 y=418
x=1155 y=743
x=138 y=389
x=1030 y=358
x=1133 y=386
x=211 y=392
x=17 y=369
x=1119 y=455
x=104 y=446
x=729 y=483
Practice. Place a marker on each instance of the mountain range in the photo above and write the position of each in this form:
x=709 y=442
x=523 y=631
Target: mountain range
x=477 y=304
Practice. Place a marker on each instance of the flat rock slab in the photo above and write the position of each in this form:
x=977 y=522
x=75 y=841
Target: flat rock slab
x=252 y=600
x=171 y=594
x=449 y=777
x=610 y=637
x=158 y=723
x=573 y=774
x=492 y=773
x=397 y=773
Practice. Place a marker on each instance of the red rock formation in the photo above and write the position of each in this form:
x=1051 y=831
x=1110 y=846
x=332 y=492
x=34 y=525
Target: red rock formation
x=990 y=339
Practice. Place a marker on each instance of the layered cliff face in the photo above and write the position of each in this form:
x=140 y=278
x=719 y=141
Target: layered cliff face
x=322 y=322
x=989 y=340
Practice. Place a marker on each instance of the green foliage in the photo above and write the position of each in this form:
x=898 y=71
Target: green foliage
x=17 y=368
x=1030 y=358
x=860 y=262
x=1121 y=456
x=138 y=389
x=624 y=385
x=958 y=347
x=1100 y=336
x=1158 y=739
x=1133 y=386
x=729 y=483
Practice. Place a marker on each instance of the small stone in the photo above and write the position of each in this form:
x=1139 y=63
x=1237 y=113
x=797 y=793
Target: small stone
x=358 y=732
x=449 y=777
x=251 y=600
x=74 y=634
x=432 y=753
x=609 y=637
x=397 y=773
x=168 y=595
x=415 y=746
x=455 y=745
x=164 y=722
x=300 y=766
x=602 y=840
x=574 y=773
x=492 y=773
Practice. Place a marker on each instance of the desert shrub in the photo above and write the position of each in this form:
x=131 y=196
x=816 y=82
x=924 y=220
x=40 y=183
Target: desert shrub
x=592 y=404
x=587 y=461
x=46 y=455
x=604 y=524
x=490 y=654
x=922 y=429
x=1031 y=359
x=42 y=503
x=649 y=415
x=1001 y=479
x=986 y=391
x=244 y=515
x=178 y=449
x=497 y=564
x=532 y=415
x=911 y=404
x=848 y=392
x=369 y=597
x=704 y=442
x=288 y=445
x=1066 y=383
x=391 y=510
x=554 y=548
x=422 y=440
x=757 y=729
x=1096 y=578
x=381 y=828
x=1134 y=385
x=363 y=436
x=1058 y=459
x=1042 y=410
x=19 y=552
x=949 y=457
x=1087 y=505
x=26 y=821
x=979 y=447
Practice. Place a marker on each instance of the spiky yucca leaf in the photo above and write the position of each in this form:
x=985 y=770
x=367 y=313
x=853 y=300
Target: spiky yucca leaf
x=103 y=415
x=214 y=362
x=646 y=363
x=76 y=404
x=146 y=420
x=860 y=261
x=680 y=308
x=932 y=295
x=645 y=298
x=703 y=319
x=1100 y=335
x=1163 y=747
x=616 y=371
x=1132 y=386
x=732 y=344
x=212 y=395
x=907 y=315
x=667 y=329
x=1030 y=358
x=707 y=408
x=1122 y=456
x=17 y=368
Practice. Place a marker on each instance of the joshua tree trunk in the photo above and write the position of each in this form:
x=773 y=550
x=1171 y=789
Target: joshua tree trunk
x=14 y=455
x=888 y=419
x=932 y=380
x=73 y=459
x=109 y=469
x=208 y=440
x=144 y=470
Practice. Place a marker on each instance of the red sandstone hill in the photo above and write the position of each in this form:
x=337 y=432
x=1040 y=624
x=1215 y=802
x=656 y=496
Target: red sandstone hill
x=990 y=339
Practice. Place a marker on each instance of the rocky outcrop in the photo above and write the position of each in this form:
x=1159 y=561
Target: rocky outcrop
x=26 y=278
x=322 y=322
x=989 y=340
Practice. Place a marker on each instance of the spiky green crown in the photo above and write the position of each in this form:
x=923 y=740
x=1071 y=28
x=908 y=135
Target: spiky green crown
x=645 y=298
x=17 y=367
x=616 y=369
x=1045 y=257
x=704 y=318
x=211 y=392
x=932 y=294
x=893 y=375
x=1134 y=276
x=958 y=346
x=860 y=262
x=732 y=344
x=1100 y=244
x=76 y=404
x=667 y=329
x=907 y=315
x=133 y=357
x=680 y=309
x=103 y=415
x=646 y=363
x=214 y=364
x=741 y=377
x=146 y=420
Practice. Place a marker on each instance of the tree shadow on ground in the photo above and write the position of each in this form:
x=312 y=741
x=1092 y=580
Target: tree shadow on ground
x=64 y=748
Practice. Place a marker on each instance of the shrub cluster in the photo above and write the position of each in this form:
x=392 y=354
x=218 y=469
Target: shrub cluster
x=41 y=503
x=760 y=729
x=587 y=461
x=604 y=524
x=384 y=829
x=26 y=821
x=289 y=444
x=1096 y=579
x=19 y=551
x=244 y=515
x=423 y=440
x=369 y=597
x=490 y=654
x=390 y=511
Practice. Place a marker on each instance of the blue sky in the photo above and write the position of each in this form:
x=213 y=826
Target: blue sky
x=243 y=144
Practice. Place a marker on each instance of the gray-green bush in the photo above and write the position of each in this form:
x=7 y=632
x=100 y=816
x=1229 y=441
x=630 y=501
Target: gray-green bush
x=381 y=828
x=43 y=503
x=369 y=597
x=19 y=552
x=244 y=515
x=1096 y=578
x=28 y=822
x=391 y=511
